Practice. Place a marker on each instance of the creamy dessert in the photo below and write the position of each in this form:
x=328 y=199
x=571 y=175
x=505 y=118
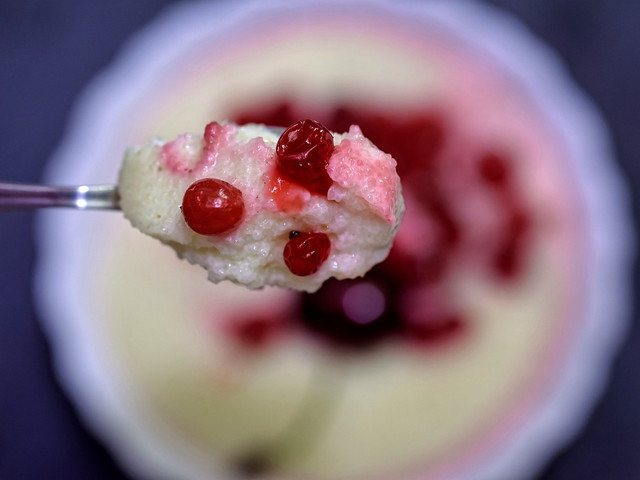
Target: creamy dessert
x=394 y=373
x=462 y=354
x=259 y=208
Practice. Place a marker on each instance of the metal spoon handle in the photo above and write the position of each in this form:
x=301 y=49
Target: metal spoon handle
x=15 y=196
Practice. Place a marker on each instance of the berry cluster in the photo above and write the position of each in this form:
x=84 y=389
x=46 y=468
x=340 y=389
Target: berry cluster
x=212 y=206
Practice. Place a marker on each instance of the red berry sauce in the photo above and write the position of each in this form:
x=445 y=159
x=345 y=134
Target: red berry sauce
x=302 y=155
x=288 y=197
x=211 y=206
x=305 y=252
x=255 y=331
x=405 y=298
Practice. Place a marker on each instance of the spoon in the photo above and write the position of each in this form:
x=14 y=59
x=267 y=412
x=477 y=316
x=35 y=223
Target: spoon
x=16 y=196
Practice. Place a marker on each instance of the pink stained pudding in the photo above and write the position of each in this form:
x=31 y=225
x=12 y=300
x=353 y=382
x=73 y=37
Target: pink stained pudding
x=452 y=358
x=259 y=208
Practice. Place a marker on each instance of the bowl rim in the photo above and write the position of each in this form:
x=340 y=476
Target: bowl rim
x=515 y=49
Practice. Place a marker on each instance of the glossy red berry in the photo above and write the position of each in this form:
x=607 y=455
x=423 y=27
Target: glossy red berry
x=304 y=253
x=211 y=206
x=303 y=152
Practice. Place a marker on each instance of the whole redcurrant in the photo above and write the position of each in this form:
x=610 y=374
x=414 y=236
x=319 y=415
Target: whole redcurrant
x=304 y=253
x=302 y=155
x=211 y=206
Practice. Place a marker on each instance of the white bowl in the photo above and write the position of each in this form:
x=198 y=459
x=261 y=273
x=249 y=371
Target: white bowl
x=106 y=293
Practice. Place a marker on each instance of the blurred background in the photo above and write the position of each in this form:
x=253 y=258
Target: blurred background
x=50 y=50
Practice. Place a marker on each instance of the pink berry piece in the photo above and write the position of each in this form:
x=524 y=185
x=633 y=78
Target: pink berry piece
x=302 y=155
x=305 y=253
x=211 y=206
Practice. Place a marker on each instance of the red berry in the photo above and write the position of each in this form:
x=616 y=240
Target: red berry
x=493 y=169
x=304 y=253
x=509 y=258
x=211 y=206
x=303 y=152
x=437 y=330
x=256 y=331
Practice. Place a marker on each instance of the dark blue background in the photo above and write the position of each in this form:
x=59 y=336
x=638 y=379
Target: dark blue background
x=48 y=52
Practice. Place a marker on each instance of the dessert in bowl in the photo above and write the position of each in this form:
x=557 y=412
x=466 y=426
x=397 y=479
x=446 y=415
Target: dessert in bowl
x=473 y=351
